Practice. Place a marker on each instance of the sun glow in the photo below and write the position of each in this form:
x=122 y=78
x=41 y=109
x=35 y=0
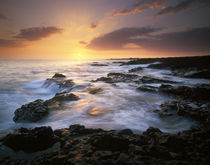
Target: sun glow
x=78 y=55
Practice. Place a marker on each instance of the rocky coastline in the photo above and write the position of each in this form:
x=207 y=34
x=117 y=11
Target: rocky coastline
x=80 y=145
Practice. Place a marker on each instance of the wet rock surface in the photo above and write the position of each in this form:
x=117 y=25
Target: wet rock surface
x=38 y=109
x=138 y=69
x=131 y=78
x=98 y=64
x=80 y=145
x=61 y=81
x=118 y=77
x=198 y=93
x=32 y=112
x=194 y=67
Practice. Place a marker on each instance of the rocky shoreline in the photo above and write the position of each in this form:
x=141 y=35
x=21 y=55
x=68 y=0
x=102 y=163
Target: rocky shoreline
x=80 y=145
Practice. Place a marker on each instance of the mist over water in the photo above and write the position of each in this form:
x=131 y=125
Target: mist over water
x=116 y=107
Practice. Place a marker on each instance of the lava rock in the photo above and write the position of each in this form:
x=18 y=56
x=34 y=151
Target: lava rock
x=136 y=69
x=61 y=97
x=147 y=88
x=33 y=140
x=58 y=75
x=109 y=142
x=61 y=81
x=31 y=112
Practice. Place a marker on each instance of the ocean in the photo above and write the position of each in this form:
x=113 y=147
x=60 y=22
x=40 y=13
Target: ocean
x=119 y=106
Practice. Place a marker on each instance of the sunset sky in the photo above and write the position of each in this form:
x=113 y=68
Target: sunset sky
x=87 y=29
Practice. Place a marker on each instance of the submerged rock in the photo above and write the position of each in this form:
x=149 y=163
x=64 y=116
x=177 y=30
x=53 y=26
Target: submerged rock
x=136 y=69
x=31 y=112
x=98 y=64
x=147 y=88
x=61 y=81
x=30 y=140
x=94 y=91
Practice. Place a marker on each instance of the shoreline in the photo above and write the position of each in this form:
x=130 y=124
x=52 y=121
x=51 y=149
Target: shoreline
x=80 y=145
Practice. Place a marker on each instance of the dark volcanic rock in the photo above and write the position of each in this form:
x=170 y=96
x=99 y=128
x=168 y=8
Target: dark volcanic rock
x=111 y=143
x=140 y=61
x=110 y=147
x=97 y=64
x=58 y=75
x=61 y=81
x=190 y=93
x=94 y=91
x=147 y=88
x=118 y=77
x=146 y=79
x=36 y=110
x=33 y=140
x=61 y=97
x=136 y=69
x=33 y=111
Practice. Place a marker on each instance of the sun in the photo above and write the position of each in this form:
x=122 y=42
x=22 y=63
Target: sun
x=78 y=55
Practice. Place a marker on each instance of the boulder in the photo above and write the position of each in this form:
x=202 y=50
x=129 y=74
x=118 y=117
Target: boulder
x=61 y=97
x=36 y=110
x=30 y=140
x=31 y=112
x=61 y=81
x=58 y=75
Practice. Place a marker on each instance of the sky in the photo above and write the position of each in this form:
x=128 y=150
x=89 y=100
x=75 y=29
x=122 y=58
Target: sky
x=94 y=29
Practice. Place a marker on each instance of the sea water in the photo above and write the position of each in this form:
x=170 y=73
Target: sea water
x=119 y=106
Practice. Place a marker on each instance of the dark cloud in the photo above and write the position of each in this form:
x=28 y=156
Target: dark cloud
x=162 y=5
x=37 y=33
x=10 y=43
x=83 y=42
x=2 y=16
x=140 y=6
x=117 y=39
x=197 y=39
x=183 y=5
x=93 y=25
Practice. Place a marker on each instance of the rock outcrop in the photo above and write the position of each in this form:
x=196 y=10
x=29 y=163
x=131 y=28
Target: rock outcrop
x=61 y=81
x=38 y=109
x=30 y=140
x=32 y=112
x=80 y=145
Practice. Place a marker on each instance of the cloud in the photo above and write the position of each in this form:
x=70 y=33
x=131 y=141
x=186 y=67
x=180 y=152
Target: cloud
x=37 y=33
x=3 y=17
x=140 y=6
x=10 y=43
x=118 y=38
x=83 y=42
x=183 y=5
x=162 y=5
x=93 y=25
x=29 y=34
x=196 y=39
